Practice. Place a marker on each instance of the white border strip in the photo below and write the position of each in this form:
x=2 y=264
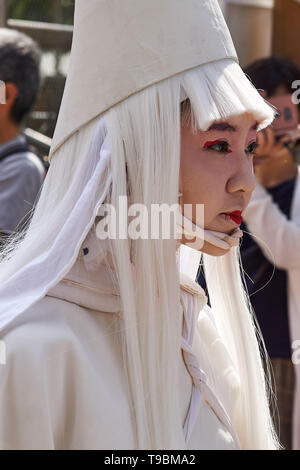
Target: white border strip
x=254 y=3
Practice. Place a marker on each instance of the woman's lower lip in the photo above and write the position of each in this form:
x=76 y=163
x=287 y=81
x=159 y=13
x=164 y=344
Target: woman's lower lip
x=234 y=218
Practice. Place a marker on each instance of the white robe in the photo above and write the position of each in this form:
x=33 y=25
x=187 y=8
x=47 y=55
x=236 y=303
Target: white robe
x=63 y=384
x=277 y=234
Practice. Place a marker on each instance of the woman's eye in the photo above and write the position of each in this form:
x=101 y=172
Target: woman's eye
x=218 y=146
x=252 y=147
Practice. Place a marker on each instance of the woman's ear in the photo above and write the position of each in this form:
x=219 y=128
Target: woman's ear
x=11 y=93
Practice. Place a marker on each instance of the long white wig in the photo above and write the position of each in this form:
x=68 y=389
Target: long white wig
x=144 y=133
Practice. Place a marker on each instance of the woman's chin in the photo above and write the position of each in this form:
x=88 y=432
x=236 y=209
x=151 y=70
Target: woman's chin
x=223 y=224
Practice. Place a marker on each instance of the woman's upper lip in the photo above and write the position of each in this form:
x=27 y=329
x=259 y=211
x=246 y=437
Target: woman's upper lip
x=235 y=212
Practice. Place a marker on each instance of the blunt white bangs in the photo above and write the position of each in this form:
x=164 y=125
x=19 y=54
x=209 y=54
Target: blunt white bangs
x=219 y=90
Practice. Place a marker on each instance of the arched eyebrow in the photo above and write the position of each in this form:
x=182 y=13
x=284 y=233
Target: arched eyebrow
x=224 y=126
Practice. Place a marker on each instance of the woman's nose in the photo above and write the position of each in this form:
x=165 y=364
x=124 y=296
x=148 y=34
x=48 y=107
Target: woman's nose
x=242 y=177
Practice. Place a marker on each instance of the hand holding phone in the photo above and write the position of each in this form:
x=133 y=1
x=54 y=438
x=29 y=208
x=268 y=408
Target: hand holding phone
x=269 y=147
x=283 y=135
x=289 y=117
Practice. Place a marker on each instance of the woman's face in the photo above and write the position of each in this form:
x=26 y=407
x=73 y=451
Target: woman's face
x=217 y=170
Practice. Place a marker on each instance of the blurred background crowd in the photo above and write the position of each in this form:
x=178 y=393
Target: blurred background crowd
x=35 y=43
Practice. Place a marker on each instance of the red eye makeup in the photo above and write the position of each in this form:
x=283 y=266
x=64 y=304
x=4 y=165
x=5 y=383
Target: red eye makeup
x=212 y=142
x=222 y=144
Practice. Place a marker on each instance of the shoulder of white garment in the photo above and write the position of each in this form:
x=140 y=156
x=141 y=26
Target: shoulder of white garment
x=61 y=362
x=32 y=378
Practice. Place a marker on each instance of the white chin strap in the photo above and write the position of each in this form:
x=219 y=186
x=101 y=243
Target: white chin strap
x=198 y=235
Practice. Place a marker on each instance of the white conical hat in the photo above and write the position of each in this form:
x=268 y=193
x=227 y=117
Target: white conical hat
x=123 y=46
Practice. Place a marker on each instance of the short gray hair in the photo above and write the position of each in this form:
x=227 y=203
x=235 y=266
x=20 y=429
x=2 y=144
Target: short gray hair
x=20 y=58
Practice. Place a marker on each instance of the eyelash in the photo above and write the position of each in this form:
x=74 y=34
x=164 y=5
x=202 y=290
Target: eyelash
x=210 y=145
x=255 y=145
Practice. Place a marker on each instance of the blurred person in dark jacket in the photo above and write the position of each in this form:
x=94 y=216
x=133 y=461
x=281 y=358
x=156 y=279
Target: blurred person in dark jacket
x=274 y=299
x=21 y=171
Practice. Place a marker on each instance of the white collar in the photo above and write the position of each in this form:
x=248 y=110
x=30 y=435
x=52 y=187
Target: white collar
x=89 y=283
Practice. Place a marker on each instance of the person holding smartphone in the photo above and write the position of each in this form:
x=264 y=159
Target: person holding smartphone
x=271 y=251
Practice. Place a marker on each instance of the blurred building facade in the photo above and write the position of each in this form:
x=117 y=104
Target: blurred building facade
x=258 y=28
x=286 y=30
x=251 y=25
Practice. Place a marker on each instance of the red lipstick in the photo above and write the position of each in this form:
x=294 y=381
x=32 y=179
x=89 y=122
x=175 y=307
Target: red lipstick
x=236 y=216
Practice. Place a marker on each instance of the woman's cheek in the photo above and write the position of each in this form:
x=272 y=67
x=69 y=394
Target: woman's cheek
x=210 y=213
x=248 y=199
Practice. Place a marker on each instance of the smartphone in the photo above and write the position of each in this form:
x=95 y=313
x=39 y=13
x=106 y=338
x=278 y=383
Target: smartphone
x=288 y=119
